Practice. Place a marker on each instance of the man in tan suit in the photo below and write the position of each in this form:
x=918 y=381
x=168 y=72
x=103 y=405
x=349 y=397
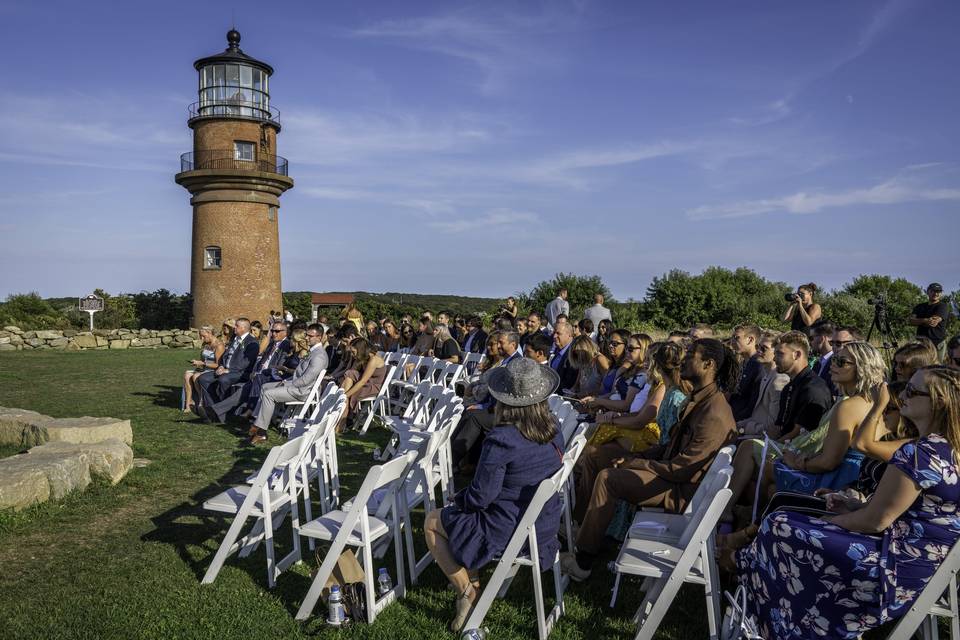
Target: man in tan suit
x=665 y=475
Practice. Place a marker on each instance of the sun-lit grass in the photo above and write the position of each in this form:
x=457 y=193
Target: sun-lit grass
x=125 y=561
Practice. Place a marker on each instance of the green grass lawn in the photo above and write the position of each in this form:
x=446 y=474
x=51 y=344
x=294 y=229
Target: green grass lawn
x=125 y=561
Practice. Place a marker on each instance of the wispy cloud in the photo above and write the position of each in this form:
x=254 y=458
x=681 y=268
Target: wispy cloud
x=496 y=218
x=498 y=44
x=897 y=190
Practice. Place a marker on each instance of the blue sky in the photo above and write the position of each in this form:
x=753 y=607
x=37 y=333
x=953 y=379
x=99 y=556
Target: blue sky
x=477 y=148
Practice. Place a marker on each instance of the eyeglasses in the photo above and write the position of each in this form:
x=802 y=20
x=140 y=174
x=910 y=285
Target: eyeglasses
x=634 y=348
x=839 y=344
x=911 y=391
x=615 y=343
x=841 y=361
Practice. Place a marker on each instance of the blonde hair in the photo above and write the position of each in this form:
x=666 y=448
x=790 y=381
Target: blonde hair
x=943 y=384
x=299 y=342
x=870 y=367
x=583 y=352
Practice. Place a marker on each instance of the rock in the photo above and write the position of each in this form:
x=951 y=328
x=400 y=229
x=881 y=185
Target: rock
x=86 y=430
x=103 y=332
x=34 y=342
x=72 y=346
x=42 y=346
x=119 y=344
x=13 y=329
x=144 y=332
x=39 y=475
x=144 y=342
x=69 y=333
x=49 y=335
x=183 y=339
x=8 y=347
x=4 y=339
x=29 y=335
x=163 y=334
x=166 y=340
x=102 y=343
x=59 y=343
x=110 y=459
x=85 y=340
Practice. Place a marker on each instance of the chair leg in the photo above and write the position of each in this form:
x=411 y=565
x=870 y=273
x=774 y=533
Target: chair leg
x=616 y=590
x=711 y=588
x=268 y=539
x=368 y=582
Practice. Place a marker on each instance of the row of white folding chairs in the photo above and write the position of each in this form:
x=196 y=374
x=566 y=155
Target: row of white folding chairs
x=299 y=410
x=412 y=370
x=381 y=511
x=275 y=491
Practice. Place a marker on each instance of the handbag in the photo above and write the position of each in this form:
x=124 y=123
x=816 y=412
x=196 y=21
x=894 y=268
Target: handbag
x=736 y=623
x=798 y=481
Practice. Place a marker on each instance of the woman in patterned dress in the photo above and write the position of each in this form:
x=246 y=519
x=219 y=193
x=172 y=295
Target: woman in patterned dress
x=838 y=576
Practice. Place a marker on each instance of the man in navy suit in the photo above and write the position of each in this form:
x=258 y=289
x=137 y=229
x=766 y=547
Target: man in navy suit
x=559 y=360
x=820 y=343
x=235 y=365
x=476 y=339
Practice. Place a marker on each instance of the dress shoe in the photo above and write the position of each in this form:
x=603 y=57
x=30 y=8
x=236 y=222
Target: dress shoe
x=257 y=439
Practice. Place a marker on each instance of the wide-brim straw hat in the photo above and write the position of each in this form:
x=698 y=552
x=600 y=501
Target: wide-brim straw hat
x=522 y=382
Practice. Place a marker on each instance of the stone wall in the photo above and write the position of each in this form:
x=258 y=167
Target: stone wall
x=14 y=339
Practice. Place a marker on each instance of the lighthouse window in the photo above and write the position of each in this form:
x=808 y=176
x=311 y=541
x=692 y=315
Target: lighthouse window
x=211 y=258
x=243 y=151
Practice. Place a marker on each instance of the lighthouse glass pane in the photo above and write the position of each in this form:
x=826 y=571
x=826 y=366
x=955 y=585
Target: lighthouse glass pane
x=246 y=81
x=243 y=151
x=211 y=258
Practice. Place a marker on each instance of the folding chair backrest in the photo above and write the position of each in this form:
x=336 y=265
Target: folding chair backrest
x=391 y=472
x=575 y=447
x=554 y=402
x=311 y=398
x=712 y=486
x=450 y=374
x=326 y=399
x=723 y=460
x=927 y=600
x=569 y=426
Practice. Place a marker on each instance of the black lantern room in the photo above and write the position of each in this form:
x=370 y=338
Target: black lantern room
x=232 y=84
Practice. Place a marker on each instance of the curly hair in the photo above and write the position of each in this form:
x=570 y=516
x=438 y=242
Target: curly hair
x=869 y=364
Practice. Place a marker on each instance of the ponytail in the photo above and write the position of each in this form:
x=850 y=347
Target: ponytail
x=728 y=367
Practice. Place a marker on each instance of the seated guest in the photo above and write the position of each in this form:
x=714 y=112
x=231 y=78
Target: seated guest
x=911 y=357
x=425 y=340
x=372 y=332
x=615 y=358
x=477 y=420
x=266 y=369
x=668 y=360
x=665 y=475
x=862 y=568
x=585 y=358
x=444 y=346
x=821 y=345
x=209 y=357
x=390 y=336
x=953 y=351
x=820 y=457
x=235 y=367
x=538 y=349
x=475 y=390
x=493 y=353
x=699 y=331
x=262 y=337
x=475 y=340
x=630 y=376
x=679 y=337
x=604 y=329
x=559 y=360
x=296 y=389
x=524 y=448
x=338 y=352
x=521 y=326
x=533 y=327
x=744 y=344
x=762 y=420
x=637 y=429
x=364 y=378
x=408 y=336
x=586 y=327
x=884 y=429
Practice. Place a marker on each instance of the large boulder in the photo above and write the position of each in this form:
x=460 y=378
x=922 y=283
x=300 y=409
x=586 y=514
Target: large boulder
x=13 y=329
x=119 y=344
x=85 y=340
x=37 y=476
x=58 y=343
x=84 y=430
x=110 y=459
x=15 y=422
x=8 y=347
x=49 y=335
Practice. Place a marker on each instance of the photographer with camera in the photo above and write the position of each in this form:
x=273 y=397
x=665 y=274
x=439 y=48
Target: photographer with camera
x=930 y=318
x=803 y=311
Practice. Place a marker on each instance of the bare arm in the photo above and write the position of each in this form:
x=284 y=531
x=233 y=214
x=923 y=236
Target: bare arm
x=617 y=405
x=844 y=420
x=811 y=316
x=792 y=309
x=373 y=364
x=894 y=496
x=646 y=414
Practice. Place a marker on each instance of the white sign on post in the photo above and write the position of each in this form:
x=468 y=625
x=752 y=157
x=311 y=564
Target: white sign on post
x=91 y=304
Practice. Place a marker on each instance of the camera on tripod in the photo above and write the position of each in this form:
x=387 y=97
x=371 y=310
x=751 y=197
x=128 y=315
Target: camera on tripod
x=880 y=300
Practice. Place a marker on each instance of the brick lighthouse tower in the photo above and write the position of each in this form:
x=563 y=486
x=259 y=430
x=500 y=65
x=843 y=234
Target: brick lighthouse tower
x=235 y=178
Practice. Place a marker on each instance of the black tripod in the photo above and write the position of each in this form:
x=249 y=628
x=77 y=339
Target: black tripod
x=881 y=323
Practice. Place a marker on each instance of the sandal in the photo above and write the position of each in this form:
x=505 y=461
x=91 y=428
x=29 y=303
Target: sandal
x=737 y=539
x=465 y=602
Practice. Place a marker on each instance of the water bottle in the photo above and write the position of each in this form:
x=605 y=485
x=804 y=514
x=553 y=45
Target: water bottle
x=475 y=634
x=384 y=583
x=336 y=613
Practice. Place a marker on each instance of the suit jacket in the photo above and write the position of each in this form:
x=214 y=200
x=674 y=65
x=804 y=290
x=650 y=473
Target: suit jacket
x=704 y=428
x=275 y=355
x=557 y=306
x=241 y=361
x=307 y=372
x=568 y=374
x=822 y=368
x=478 y=344
x=596 y=313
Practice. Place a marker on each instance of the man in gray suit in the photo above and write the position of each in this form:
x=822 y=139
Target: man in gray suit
x=557 y=306
x=597 y=312
x=297 y=388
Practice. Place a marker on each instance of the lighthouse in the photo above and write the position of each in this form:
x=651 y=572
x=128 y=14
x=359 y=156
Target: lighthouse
x=235 y=179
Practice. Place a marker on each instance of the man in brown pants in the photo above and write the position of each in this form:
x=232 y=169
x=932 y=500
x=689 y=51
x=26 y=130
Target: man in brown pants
x=665 y=475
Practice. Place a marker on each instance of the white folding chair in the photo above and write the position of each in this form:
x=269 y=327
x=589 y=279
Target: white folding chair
x=568 y=492
x=298 y=410
x=267 y=500
x=938 y=598
x=357 y=528
x=511 y=560
x=668 y=565
x=378 y=404
x=471 y=361
x=450 y=375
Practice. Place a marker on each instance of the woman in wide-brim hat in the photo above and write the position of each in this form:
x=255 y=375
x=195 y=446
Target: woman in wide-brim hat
x=523 y=449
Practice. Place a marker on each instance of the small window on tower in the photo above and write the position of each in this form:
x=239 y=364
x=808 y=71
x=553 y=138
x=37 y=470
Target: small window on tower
x=243 y=151
x=211 y=258
x=272 y=214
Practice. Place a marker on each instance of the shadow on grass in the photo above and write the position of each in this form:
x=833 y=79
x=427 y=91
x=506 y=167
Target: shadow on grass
x=166 y=396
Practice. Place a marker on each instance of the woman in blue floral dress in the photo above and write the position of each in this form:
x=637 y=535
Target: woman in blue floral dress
x=838 y=576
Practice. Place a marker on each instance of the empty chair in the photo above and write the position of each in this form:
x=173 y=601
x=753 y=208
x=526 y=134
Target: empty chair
x=357 y=528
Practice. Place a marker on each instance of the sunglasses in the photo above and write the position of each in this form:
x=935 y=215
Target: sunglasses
x=614 y=343
x=634 y=348
x=278 y=330
x=911 y=391
x=841 y=361
x=839 y=344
